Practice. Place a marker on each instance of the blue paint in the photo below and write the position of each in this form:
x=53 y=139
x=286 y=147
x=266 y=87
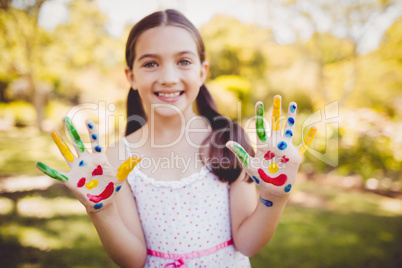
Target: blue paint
x=90 y=126
x=266 y=202
x=256 y=180
x=118 y=188
x=94 y=137
x=291 y=121
x=287 y=188
x=292 y=108
x=81 y=163
x=98 y=149
x=282 y=145
x=288 y=133
x=98 y=206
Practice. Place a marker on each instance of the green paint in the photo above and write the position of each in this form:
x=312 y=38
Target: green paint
x=74 y=134
x=242 y=154
x=51 y=172
x=259 y=123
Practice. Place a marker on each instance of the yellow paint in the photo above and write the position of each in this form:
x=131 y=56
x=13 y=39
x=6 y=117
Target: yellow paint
x=63 y=148
x=272 y=168
x=127 y=167
x=307 y=140
x=276 y=114
x=92 y=184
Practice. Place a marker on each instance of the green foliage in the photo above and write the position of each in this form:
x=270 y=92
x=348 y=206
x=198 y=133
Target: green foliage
x=326 y=48
x=20 y=113
x=234 y=48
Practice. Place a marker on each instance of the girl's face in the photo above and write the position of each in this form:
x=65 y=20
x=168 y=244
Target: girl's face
x=167 y=71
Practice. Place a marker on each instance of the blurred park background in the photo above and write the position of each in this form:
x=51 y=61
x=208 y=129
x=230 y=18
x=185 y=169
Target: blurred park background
x=340 y=60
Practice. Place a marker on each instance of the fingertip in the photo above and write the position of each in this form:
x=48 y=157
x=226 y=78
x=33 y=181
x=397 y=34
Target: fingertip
x=53 y=132
x=313 y=131
x=39 y=165
x=258 y=103
x=292 y=106
x=90 y=124
x=66 y=119
x=230 y=144
x=293 y=103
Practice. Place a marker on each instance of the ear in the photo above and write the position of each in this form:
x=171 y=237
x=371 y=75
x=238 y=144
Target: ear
x=130 y=78
x=204 y=71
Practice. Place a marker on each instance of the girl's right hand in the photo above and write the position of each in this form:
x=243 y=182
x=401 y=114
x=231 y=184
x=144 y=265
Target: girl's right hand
x=93 y=180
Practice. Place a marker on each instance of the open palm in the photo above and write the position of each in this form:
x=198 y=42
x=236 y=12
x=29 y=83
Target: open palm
x=274 y=167
x=92 y=178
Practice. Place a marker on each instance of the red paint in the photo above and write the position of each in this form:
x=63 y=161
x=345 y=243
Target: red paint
x=97 y=171
x=284 y=159
x=269 y=155
x=105 y=194
x=277 y=181
x=81 y=182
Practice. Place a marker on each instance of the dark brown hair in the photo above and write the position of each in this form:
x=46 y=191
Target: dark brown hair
x=223 y=128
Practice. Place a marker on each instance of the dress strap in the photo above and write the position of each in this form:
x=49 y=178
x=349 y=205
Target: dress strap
x=126 y=143
x=180 y=259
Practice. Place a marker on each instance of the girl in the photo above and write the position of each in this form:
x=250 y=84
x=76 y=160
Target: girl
x=188 y=203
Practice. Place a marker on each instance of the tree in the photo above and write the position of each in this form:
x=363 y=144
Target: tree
x=49 y=60
x=21 y=36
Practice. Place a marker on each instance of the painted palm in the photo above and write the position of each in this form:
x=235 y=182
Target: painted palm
x=274 y=167
x=91 y=178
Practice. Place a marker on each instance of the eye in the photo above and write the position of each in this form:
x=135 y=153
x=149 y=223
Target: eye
x=284 y=159
x=184 y=62
x=150 y=64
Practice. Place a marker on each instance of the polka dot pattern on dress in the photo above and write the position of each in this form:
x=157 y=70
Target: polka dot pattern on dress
x=184 y=216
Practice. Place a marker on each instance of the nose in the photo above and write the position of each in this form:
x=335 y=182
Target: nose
x=169 y=75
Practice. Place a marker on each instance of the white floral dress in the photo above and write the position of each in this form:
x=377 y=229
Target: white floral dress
x=185 y=216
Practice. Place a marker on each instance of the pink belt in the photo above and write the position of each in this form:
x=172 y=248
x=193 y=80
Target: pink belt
x=180 y=259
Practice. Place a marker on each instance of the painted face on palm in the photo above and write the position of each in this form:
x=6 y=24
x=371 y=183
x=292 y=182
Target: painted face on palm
x=275 y=164
x=91 y=178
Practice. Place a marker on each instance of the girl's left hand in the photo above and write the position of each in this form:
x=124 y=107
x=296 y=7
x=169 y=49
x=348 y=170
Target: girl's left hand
x=274 y=167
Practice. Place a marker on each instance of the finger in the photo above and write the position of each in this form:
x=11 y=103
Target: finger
x=127 y=167
x=63 y=148
x=239 y=151
x=307 y=140
x=276 y=114
x=51 y=172
x=94 y=135
x=74 y=135
x=290 y=122
x=259 y=122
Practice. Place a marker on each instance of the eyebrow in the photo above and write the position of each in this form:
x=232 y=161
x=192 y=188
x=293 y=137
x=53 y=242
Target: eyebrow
x=150 y=55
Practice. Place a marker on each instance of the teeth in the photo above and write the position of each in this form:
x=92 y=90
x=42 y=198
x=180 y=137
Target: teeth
x=169 y=95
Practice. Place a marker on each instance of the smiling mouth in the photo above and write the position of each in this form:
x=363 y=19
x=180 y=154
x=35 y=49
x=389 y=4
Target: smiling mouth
x=169 y=95
x=277 y=181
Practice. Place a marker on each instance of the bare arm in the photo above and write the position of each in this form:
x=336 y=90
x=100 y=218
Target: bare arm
x=120 y=231
x=253 y=224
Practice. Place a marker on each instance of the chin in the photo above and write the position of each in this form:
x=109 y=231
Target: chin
x=167 y=110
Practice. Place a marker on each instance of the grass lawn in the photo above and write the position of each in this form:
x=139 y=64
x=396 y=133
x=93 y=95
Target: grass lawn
x=42 y=225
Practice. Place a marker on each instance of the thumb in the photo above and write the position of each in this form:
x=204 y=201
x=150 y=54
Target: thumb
x=240 y=153
x=127 y=167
